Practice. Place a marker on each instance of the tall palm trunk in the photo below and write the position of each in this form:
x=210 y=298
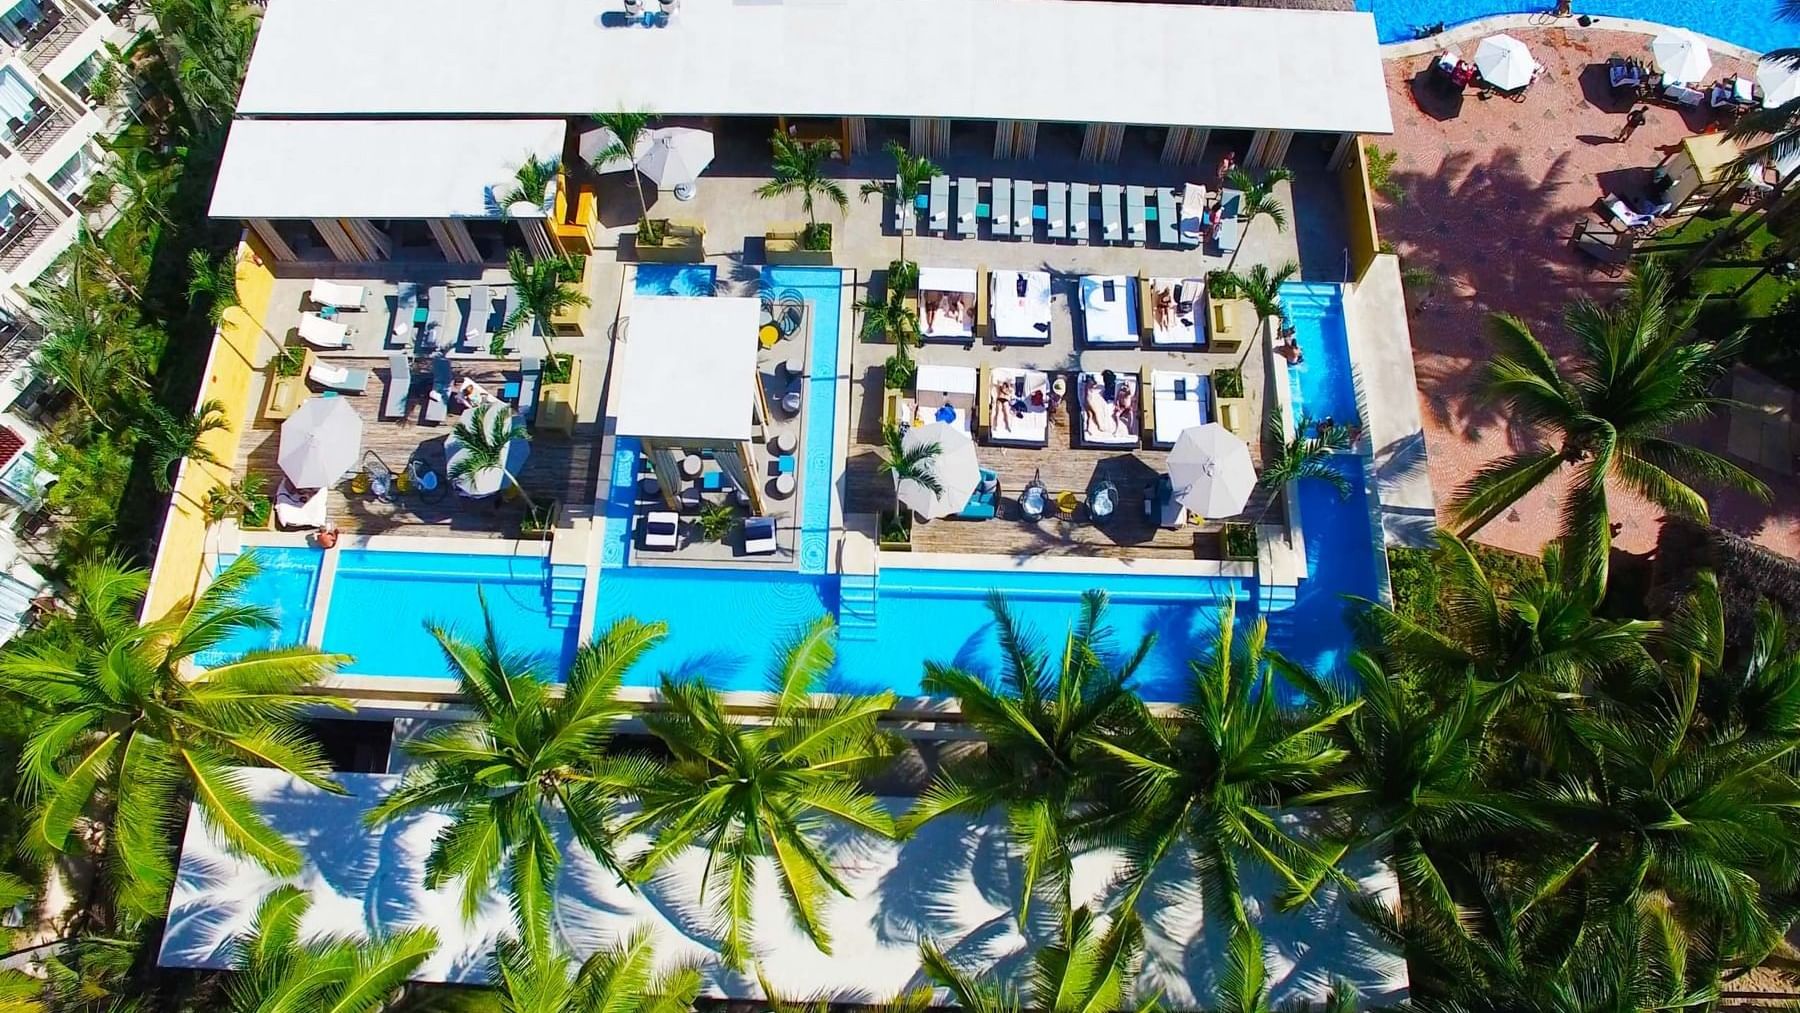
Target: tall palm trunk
x=1779 y=200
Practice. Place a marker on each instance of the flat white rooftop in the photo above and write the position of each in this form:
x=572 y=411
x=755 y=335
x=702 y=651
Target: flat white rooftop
x=687 y=368
x=1047 y=60
x=954 y=882
x=375 y=168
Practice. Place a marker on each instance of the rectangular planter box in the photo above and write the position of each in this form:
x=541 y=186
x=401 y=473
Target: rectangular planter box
x=782 y=246
x=682 y=243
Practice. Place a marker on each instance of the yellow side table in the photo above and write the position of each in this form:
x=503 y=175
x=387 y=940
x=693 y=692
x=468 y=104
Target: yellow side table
x=1066 y=503
x=359 y=483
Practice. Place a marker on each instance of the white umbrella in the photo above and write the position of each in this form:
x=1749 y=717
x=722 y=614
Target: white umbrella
x=320 y=442
x=1505 y=62
x=599 y=139
x=676 y=158
x=1681 y=56
x=953 y=466
x=1211 y=471
x=1779 y=81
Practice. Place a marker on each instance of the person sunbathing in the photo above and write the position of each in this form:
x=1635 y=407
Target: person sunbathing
x=1164 y=306
x=1002 y=406
x=1123 y=403
x=1093 y=402
x=931 y=309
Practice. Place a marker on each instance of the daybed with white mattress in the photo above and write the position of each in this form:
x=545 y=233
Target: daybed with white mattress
x=1020 y=306
x=1108 y=409
x=1108 y=315
x=947 y=303
x=1017 y=406
x=1175 y=309
x=1178 y=401
x=936 y=386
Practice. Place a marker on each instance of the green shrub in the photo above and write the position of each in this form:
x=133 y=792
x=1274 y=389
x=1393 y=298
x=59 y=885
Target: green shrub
x=816 y=237
x=898 y=371
x=1418 y=592
x=1239 y=541
x=902 y=277
x=1381 y=174
x=716 y=520
x=1228 y=382
x=290 y=360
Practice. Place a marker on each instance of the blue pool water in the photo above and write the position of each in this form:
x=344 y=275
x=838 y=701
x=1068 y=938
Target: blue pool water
x=1340 y=560
x=381 y=601
x=823 y=287
x=1321 y=383
x=675 y=279
x=286 y=581
x=1749 y=23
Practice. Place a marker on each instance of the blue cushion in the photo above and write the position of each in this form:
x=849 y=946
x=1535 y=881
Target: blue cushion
x=784 y=464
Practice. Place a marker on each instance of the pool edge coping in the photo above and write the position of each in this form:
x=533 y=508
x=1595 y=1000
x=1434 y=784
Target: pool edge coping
x=1470 y=30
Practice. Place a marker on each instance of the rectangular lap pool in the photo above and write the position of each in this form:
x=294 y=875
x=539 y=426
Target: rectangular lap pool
x=286 y=582
x=381 y=601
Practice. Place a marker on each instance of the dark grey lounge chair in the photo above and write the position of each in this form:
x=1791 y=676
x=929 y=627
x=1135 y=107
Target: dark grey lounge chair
x=1610 y=249
x=399 y=389
x=531 y=372
x=437 y=406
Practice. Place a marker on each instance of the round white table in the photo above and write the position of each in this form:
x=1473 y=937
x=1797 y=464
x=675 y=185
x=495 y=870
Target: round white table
x=784 y=485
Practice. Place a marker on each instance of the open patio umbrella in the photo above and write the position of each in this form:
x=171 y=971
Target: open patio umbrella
x=320 y=442
x=1780 y=83
x=954 y=467
x=676 y=158
x=1505 y=62
x=599 y=139
x=1211 y=471
x=1681 y=56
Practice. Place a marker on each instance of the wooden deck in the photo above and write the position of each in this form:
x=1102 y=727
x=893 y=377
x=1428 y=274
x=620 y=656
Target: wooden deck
x=1060 y=466
x=557 y=467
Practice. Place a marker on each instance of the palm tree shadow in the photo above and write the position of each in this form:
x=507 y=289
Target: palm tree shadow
x=925 y=891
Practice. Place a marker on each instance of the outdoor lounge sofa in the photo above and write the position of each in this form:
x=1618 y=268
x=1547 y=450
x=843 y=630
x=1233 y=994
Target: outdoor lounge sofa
x=481 y=315
x=662 y=531
x=939 y=208
x=1020 y=306
x=319 y=332
x=1108 y=311
x=1231 y=227
x=1056 y=210
x=343 y=379
x=531 y=373
x=399 y=390
x=759 y=536
x=1178 y=402
x=935 y=387
x=984 y=503
x=1015 y=406
x=1167 y=233
x=1172 y=308
x=1109 y=408
x=437 y=404
x=337 y=295
x=1024 y=217
x=1000 y=207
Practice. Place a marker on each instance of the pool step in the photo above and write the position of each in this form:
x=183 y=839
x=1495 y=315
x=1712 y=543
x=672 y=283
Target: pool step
x=857 y=607
x=563 y=592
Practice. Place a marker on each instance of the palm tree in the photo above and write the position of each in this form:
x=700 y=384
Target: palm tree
x=747 y=792
x=532 y=976
x=1301 y=457
x=147 y=180
x=521 y=757
x=94 y=364
x=1261 y=286
x=213 y=282
x=911 y=174
x=133 y=733
x=1243 y=983
x=278 y=970
x=207 y=44
x=1215 y=772
x=1637 y=375
x=1040 y=725
x=800 y=168
x=531 y=183
x=485 y=435
x=175 y=438
x=544 y=291
x=891 y=319
x=1259 y=200
x=1087 y=969
x=903 y=465
x=628 y=130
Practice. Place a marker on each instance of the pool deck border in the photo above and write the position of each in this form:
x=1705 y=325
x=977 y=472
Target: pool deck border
x=1470 y=31
x=1103 y=567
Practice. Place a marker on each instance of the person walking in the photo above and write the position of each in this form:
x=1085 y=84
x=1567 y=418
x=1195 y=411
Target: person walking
x=1633 y=120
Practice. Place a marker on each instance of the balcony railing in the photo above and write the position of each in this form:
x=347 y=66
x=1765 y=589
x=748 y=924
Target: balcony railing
x=30 y=226
x=51 y=35
x=33 y=137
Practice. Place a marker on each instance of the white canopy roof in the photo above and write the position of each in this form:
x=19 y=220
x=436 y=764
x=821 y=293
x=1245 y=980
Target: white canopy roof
x=375 y=168
x=947 y=279
x=1049 y=60
x=952 y=882
x=688 y=368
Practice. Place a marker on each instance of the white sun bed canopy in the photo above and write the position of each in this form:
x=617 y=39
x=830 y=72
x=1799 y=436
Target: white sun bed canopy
x=375 y=168
x=687 y=369
x=947 y=279
x=1047 y=60
x=950 y=882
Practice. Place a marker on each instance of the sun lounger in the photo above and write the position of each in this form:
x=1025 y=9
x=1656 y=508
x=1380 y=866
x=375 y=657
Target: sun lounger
x=968 y=195
x=1000 y=207
x=319 y=332
x=481 y=315
x=662 y=530
x=531 y=372
x=759 y=536
x=343 y=379
x=1024 y=195
x=1056 y=201
x=1080 y=214
x=1612 y=250
x=984 y=502
x=1627 y=216
x=1174 y=309
x=1193 y=213
x=406 y=301
x=1231 y=229
x=437 y=406
x=1016 y=406
x=948 y=303
x=399 y=389
x=1112 y=228
x=337 y=295
x=1682 y=95
x=1166 y=233
x=940 y=203
x=300 y=509
x=437 y=305
x=906 y=214
x=507 y=309
x=1020 y=305
x=1109 y=408
x=1178 y=401
x=1108 y=316
x=1137 y=227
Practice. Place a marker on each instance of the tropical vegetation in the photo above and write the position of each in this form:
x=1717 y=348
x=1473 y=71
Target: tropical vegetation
x=1259 y=201
x=799 y=168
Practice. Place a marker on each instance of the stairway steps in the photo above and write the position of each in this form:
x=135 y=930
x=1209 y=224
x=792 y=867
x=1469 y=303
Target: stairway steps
x=563 y=592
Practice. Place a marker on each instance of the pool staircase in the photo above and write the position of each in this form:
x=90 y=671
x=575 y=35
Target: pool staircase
x=563 y=590
x=857 y=603
x=1275 y=603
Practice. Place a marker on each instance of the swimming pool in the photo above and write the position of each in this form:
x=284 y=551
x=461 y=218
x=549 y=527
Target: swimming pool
x=381 y=601
x=675 y=279
x=1321 y=383
x=286 y=582
x=823 y=288
x=1752 y=24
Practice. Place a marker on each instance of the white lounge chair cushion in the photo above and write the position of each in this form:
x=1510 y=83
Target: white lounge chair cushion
x=299 y=508
x=331 y=293
x=317 y=331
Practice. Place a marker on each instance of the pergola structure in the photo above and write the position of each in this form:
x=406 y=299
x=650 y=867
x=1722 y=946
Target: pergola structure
x=686 y=381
